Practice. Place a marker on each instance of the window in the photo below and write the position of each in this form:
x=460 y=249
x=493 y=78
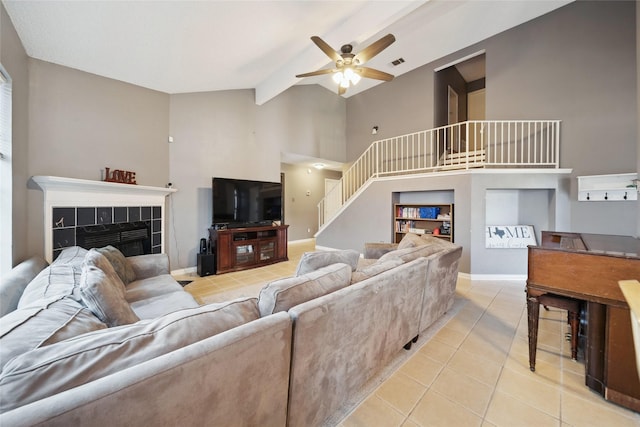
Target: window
x=6 y=234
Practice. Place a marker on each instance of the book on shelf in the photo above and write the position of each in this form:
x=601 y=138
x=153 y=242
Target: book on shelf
x=417 y=231
x=422 y=212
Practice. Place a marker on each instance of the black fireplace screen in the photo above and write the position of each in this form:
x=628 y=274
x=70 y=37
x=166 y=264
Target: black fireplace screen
x=131 y=238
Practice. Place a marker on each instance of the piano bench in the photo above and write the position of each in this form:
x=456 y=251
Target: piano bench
x=572 y=306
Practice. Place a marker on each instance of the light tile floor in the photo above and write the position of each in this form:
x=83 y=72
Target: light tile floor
x=473 y=372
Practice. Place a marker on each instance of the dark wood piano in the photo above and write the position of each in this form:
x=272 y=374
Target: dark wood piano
x=587 y=267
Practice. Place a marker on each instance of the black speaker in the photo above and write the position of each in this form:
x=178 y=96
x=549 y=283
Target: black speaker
x=206 y=264
x=203 y=246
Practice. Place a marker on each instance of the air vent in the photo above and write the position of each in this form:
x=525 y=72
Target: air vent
x=397 y=62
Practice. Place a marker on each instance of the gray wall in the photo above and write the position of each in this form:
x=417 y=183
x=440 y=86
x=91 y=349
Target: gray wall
x=301 y=210
x=225 y=134
x=369 y=218
x=80 y=123
x=74 y=124
x=575 y=64
x=14 y=59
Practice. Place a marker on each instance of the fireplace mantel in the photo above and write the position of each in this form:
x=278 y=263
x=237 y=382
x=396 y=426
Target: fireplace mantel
x=80 y=194
x=74 y=185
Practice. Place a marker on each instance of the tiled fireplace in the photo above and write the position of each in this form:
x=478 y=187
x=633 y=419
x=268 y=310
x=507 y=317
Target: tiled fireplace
x=74 y=208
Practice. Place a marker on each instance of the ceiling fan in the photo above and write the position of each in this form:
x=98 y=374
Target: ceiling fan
x=348 y=66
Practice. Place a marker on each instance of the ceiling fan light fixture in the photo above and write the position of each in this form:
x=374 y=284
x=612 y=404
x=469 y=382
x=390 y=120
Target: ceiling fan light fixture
x=348 y=73
x=348 y=70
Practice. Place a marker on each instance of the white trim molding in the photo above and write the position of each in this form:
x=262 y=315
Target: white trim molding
x=72 y=192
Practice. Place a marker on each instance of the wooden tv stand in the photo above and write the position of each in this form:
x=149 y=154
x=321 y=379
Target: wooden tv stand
x=249 y=247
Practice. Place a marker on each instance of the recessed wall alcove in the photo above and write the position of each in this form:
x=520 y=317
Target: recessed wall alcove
x=70 y=203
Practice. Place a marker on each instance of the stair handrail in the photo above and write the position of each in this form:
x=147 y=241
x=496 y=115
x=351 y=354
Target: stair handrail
x=487 y=143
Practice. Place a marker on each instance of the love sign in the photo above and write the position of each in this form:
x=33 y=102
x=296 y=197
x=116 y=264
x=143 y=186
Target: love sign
x=117 y=175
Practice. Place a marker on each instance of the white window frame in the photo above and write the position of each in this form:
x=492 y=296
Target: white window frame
x=6 y=175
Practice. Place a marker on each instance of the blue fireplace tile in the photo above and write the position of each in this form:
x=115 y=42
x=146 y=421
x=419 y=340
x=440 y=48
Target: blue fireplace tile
x=157 y=212
x=64 y=217
x=156 y=226
x=156 y=239
x=120 y=214
x=64 y=237
x=105 y=215
x=145 y=213
x=134 y=214
x=86 y=216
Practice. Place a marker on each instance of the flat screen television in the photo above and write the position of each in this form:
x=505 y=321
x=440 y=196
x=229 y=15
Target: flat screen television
x=240 y=202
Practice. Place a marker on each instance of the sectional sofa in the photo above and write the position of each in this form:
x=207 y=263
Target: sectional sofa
x=99 y=339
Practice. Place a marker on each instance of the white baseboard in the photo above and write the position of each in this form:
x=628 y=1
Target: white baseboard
x=310 y=239
x=184 y=271
x=494 y=277
x=325 y=248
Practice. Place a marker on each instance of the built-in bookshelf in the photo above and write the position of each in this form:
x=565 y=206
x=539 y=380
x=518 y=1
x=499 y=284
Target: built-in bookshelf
x=432 y=219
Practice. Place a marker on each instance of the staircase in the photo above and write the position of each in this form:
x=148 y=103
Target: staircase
x=461 y=146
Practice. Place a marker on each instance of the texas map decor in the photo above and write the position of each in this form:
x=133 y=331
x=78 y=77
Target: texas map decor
x=509 y=236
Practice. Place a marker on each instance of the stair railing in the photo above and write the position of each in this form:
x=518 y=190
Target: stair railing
x=464 y=145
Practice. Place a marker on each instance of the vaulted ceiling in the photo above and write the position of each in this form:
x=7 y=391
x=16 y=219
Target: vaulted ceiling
x=181 y=46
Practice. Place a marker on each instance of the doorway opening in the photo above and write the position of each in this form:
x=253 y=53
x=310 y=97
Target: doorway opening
x=459 y=95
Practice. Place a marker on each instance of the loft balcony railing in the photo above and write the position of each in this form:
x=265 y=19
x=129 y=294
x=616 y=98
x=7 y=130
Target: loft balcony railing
x=464 y=145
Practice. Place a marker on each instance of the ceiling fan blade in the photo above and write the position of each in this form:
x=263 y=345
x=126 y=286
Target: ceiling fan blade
x=371 y=73
x=316 y=73
x=341 y=89
x=328 y=50
x=375 y=48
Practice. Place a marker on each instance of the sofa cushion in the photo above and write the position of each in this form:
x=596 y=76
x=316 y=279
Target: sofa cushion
x=410 y=240
x=311 y=261
x=151 y=287
x=282 y=294
x=103 y=292
x=42 y=324
x=13 y=283
x=430 y=240
x=409 y=254
x=61 y=278
x=49 y=370
x=374 y=269
x=119 y=262
x=160 y=305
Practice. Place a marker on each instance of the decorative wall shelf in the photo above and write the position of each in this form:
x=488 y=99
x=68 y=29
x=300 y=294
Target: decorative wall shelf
x=614 y=187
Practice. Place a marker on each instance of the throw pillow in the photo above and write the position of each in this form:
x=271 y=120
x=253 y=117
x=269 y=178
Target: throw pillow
x=119 y=263
x=50 y=370
x=42 y=324
x=410 y=240
x=374 y=269
x=281 y=295
x=60 y=279
x=311 y=261
x=103 y=292
x=409 y=254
